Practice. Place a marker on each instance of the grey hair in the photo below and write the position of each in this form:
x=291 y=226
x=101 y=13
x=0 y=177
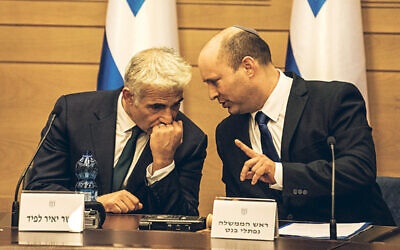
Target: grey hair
x=159 y=67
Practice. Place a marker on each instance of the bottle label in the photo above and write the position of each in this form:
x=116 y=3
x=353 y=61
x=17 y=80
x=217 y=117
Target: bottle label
x=89 y=195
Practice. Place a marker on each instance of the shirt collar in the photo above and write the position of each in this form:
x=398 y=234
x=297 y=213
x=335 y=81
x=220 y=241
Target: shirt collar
x=275 y=101
x=124 y=122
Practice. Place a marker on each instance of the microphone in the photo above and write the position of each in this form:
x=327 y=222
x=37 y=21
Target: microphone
x=333 y=235
x=15 y=206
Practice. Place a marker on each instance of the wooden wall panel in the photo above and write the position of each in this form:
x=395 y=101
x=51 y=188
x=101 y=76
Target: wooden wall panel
x=384 y=103
x=264 y=15
x=39 y=85
x=51 y=44
x=377 y=17
x=382 y=50
x=79 y=13
x=50 y=47
x=83 y=45
x=192 y=14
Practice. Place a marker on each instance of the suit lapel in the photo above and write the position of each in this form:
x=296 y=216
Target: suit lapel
x=243 y=129
x=297 y=100
x=242 y=133
x=103 y=138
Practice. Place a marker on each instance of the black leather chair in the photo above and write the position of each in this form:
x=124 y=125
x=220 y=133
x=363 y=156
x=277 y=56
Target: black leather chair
x=390 y=187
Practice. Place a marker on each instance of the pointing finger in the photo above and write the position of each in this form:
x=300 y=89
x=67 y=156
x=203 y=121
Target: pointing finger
x=248 y=151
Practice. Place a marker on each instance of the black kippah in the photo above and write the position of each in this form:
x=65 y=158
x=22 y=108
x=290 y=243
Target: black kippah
x=250 y=30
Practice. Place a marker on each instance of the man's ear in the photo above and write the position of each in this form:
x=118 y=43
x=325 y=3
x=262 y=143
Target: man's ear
x=127 y=95
x=249 y=65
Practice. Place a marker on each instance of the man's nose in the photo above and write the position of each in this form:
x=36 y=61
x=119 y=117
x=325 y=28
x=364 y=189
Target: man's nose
x=167 y=116
x=212 y=92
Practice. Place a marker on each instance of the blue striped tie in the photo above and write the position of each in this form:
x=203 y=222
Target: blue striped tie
x=267 y=144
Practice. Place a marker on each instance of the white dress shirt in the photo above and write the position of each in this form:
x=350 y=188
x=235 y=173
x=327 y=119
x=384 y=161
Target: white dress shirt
x=122 y=134
x=275 y=109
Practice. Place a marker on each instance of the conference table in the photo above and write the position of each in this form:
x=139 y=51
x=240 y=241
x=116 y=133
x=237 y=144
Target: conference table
x=121 y=231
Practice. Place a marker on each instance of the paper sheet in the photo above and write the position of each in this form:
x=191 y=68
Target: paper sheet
x=321 y=230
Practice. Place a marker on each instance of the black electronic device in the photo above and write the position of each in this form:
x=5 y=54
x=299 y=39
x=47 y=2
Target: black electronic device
x=95 y=215
x=172 y=222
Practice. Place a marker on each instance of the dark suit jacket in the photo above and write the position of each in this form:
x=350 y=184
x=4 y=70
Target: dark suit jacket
x=88 y=122
x=315 y=111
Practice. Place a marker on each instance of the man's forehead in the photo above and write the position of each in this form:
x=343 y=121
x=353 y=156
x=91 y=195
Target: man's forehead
x=163 y=99
x=208 y=61
x=162 y=95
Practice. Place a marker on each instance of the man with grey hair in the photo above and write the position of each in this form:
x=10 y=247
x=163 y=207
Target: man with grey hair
x=160 y=173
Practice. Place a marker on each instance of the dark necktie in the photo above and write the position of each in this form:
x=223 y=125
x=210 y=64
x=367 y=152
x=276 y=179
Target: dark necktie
x=267 y=144
x=125 y=160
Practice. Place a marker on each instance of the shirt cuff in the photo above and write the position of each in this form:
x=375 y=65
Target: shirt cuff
x=278 y=177
x=158 y=174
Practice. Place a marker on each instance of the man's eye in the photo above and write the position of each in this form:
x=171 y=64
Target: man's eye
x=213 y=82
x=157 y=107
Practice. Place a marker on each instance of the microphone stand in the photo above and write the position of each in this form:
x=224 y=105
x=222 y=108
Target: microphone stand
x=15 y=204
x=332 y=224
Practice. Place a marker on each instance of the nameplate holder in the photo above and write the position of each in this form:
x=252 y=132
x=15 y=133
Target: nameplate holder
x=244 y=218
x=51 y=211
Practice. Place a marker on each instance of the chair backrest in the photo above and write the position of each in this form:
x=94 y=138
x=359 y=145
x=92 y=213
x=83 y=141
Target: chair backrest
x=390 y=187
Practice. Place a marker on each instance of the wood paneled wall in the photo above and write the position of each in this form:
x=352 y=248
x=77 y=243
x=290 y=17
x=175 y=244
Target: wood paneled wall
x=51 y=47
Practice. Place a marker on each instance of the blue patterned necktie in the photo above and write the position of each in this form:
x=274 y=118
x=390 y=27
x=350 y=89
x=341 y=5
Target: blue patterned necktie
x=125 y=160
x=267 y=144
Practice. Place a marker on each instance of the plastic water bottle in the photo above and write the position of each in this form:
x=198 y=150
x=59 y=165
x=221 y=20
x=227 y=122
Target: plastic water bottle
x=86 y=172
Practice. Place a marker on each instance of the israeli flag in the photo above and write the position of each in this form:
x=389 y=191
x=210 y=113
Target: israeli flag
x=326 y=42
x=132 y=26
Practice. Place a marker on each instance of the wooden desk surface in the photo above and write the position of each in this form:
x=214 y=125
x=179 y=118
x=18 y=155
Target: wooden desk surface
x=121 y=231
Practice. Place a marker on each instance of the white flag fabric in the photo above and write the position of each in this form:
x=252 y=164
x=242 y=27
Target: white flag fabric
x=132 y=26
x=326 y=42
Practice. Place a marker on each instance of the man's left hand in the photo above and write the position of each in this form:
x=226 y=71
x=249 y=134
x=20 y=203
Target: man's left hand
x=164 y=140
x=259 y=167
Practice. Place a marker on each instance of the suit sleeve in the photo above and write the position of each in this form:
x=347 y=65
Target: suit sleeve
x=231 y=190
x=178 y=192
x=354 y=151
x=50 y=168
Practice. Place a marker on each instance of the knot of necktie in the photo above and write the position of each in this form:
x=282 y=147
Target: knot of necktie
x=261 y=118
x=136 y=131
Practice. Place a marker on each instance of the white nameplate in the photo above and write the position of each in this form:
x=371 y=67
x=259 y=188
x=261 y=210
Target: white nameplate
x=244 y=218
x=51 y=211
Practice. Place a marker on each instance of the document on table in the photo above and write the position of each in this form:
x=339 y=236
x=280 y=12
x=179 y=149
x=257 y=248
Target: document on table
x=321 y=230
